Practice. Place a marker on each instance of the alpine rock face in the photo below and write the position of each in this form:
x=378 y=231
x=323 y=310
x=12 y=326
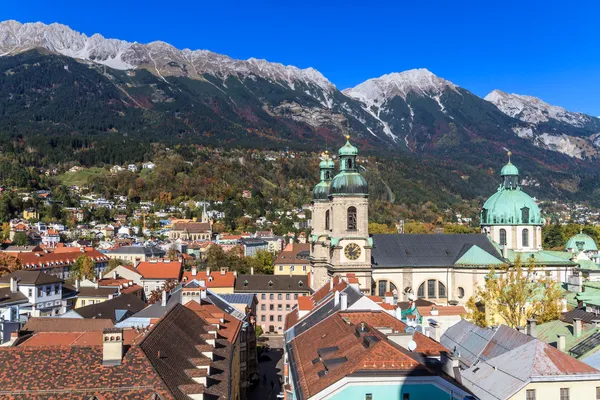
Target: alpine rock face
x=157 y=89
x=552 y=127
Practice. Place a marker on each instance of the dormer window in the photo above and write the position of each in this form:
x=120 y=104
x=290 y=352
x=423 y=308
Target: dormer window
x=525 y=215
x=270 y=283
x=300 y=283
x=245 y=283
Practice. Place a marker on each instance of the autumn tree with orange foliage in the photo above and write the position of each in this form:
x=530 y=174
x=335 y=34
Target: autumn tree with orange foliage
x=8 y=264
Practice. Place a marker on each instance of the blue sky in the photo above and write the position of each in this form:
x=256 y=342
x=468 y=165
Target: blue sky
x=549 y=49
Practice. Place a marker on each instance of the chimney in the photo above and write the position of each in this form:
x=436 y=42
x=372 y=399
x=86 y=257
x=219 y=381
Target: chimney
x=115 y=275
x=77 y=284
x=389 y=298
x=336 y=298
x=194 y=270
x=450 y=364
x=434 y=311
x=14 y=285
x=207 y=271
x=96 y=284
x=202 y=294
x=531 y=327
x=235 y=273
x=504 y=251
x=112 y=346
x=521 y=329
x=399 y=313
x=331 y=284
x=561 y=343
x=343 y=301
x=163 y=301
x=577 y=327
x=251 y=270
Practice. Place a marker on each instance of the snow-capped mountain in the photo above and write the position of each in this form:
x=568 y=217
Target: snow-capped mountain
x=552 y=127
x=202 y=94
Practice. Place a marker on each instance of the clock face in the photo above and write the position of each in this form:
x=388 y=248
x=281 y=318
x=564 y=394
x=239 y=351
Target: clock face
x=352 y=251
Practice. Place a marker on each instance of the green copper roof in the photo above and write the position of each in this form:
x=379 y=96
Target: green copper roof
x=509 y=169
x=327 y=163
x=581 y=242
x=508 y=207
x=348 y=149
x=476 y=256
x=321 y=191
x=540 y=258
x=349 y=183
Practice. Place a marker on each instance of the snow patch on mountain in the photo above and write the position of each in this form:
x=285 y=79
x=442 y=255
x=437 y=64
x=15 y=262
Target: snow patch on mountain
x=533 y=110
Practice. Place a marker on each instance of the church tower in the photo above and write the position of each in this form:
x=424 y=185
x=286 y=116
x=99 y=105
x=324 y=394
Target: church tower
x=340 y=234
x=510 y=217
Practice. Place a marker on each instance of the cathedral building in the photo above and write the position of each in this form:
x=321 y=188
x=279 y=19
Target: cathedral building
x=443 y=268
x=510 y=217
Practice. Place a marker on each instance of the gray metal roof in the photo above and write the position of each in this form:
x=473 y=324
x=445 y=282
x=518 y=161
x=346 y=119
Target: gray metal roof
x=272 y=283
x=239 y=298
x=422 y=250
x=497 y=363
x=157 y=310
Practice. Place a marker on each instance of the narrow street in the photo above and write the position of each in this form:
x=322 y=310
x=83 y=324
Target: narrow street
x=270 y=368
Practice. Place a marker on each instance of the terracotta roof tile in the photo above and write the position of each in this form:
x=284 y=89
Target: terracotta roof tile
x=160 y=269
x=218 y=280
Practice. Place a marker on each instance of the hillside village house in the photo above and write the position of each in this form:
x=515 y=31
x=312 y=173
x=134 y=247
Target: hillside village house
x=135 y=253
x=151 y=275
x=190 y=230
x=59 y=261
x=221 y=282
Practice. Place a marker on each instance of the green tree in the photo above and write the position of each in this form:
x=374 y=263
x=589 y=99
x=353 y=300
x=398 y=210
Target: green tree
x=264 y=262
x=21 y=239
x=376 y=228
x=553 y=237
x=112 y=264
x=83 y=268
x=215 y=257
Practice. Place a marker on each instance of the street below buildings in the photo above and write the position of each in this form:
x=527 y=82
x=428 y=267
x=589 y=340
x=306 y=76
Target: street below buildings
x=270 y=368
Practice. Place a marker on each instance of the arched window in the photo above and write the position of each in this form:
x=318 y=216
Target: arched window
x=327 y=220
x=421 y=291
x=431 y=288
x=327 y=175
x=382 y=288
x=484 y=214
x=461 y=293
x=525 y=215
x=441 y=290
x=503 y=237
x=351 y=218
x=525 y=237
x=349 y=164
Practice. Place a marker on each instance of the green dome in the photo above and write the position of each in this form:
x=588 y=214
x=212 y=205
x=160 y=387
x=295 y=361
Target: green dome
x=321 y=191
x=348 y=149
x=509 y=169
x=581 y=242
x=349 y=183
x=511 y=207
x=327 y=163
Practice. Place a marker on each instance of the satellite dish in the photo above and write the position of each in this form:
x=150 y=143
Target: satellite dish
x=411 y=297
x=409 y=329
x=419 y=329
x=412 y=345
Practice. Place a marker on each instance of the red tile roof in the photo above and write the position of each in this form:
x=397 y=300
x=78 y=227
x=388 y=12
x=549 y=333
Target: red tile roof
x=90 y=338
x=345 y=340
x=305 y=303
x=381 y=319
x=290 y=255
x=160 y=269
x=39 y=324
x=442 y=310
x=226 y=280
x=58 y=258
x=229 y=329
x=76 y=372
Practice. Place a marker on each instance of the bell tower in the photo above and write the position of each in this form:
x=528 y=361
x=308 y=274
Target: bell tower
x=345 y=242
